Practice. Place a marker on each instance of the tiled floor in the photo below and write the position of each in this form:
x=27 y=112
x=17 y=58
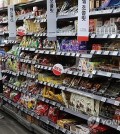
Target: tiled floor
x=10 y=126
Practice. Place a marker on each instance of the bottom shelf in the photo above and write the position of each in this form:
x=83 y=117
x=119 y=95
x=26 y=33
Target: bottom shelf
x=21 y=120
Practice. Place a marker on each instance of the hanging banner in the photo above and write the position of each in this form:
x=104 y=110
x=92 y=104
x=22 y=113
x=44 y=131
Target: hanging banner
x=51 y=20
x=11 y=22
x=83 y=20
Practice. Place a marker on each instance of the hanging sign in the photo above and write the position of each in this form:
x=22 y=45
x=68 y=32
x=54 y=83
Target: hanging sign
x=83 y=20
x=11 y=22
x=58 y=69
x=51 y=20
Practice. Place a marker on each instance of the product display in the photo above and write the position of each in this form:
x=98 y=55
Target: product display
x=56 y=84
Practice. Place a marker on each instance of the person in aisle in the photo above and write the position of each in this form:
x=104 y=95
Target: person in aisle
x=1 y=87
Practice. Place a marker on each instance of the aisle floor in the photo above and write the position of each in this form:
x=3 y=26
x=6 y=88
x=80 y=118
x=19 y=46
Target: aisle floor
x=10 y=126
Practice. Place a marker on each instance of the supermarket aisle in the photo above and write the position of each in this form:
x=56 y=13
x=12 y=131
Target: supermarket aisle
x=10 y=126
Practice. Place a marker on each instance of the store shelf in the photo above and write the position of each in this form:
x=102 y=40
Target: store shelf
x=27 y=111
x=27 y=61
x=105 y=11
x=46 y=120
x=104 y=52
x=27 y=49
x=83 y=93
x=27 y=74
x=105 y=36
x=67 y=16
x=106 y=74
x=72 y=54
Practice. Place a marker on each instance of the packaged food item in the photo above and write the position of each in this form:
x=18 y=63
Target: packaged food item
x=42 y=109
x=53 y=114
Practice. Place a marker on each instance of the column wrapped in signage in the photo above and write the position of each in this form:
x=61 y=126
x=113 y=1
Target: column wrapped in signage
x=83 y=20
x=51 y=20
x=11 y=22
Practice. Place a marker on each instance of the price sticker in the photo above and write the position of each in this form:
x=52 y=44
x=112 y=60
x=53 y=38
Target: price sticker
x=47 y=52
x=115 y=53
x=75 y=73
x=106 y=52
x=78 y=55
x=32 y=114
x=38 y=117
x=113 y=36
x=57 y=127
x=52 y=53
x=117 y=103
x=118 y=128
x=103 y=99
x=46 y=67
x=64 y=130
x=67 y=54
x=53 y=103
x=62 y=53
x=105 y=36
x=73 y=54
x=99 y=52
x=98 y=119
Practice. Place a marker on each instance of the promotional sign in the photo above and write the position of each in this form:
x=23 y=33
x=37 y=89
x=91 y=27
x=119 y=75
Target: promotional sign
x=83 y=20
x=58 y=69
x=51 y=20
x=11 y=22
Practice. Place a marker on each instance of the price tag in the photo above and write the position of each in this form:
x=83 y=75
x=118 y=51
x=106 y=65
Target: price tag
x=99 y=52
x=75 y=73
x=53 y=103
x=105 y=36
x=46 y=67
x=38 y=117
x=113 y=36
x=118 y=36
x=103 y=99
x=48 y=122
x=94 y=72
x=117 y=103
x=106 y=52
x=43 y=99
x=55 y=86
x=32 y=114
x=118 y=128
x=64 y=130
x=47 y=101
x=50 y=68
x=69 y=72
x=57 y=127
x=98 y=119
x=78 y=55
x=61 y=108
x=80 y=74
x=48 y=84
x=115 y=53
x=117 y=10
x=73 y=54
x=86 y=75
x=52 y=53
x=62 y=53
x=47 y=52
x=58 y=53
x=109 y=74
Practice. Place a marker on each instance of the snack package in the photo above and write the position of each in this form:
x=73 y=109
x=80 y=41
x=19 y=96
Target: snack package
x=53 y=114
x=42 y=109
